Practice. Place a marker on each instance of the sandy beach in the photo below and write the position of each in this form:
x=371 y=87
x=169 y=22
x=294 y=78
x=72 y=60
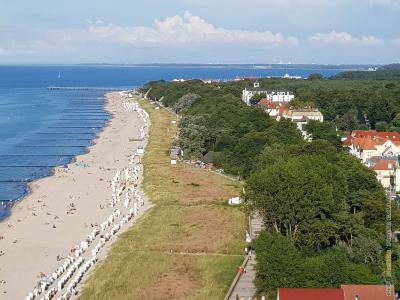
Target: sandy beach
x=63 y=209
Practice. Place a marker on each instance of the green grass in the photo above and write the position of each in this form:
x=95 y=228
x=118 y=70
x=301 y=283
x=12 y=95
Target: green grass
x=188 y=246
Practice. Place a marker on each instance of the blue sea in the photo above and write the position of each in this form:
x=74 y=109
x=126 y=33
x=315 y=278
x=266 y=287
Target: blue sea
x=42 y=128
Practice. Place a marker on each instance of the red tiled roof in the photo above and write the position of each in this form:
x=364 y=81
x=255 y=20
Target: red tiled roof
x=310 y=294
x=347 y=142
x=274 y=105
x=282 y=110
x=376 y=134
x=365 y=143
x=263 y=102
x=384 y=164
x=368 y=139
x=367 y=292
x=368 y=144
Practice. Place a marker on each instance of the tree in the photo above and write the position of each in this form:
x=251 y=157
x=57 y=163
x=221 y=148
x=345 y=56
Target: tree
x=315 y=76
x=302 y=198
x=185 y=102
x=324 y=131
x=366 y=250
x=396 y=121
x=278 y=263
x=192 y=135
x=382 y=126
x=284 y=133
x=390 y=85
x=327 y=269
x=241 y=159
x=348 y=121
x=299 y=104
x=362 y=186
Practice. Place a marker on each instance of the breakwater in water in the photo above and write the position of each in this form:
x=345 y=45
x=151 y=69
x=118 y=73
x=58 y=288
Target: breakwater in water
x=43 y=129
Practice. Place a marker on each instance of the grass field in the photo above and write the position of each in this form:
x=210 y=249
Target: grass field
x=188 y=246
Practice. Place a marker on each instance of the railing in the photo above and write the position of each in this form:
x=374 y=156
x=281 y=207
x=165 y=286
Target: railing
x=237 y=278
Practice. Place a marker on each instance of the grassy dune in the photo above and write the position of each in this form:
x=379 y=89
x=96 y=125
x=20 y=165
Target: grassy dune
x=188 y=246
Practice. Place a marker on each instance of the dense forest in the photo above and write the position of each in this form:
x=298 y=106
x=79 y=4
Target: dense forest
x=324 y=211
x=388 y=72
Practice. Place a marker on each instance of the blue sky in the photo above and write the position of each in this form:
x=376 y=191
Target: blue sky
x=200 y=31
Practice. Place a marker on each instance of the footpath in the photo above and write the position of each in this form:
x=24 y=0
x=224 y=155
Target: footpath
x=243 y=286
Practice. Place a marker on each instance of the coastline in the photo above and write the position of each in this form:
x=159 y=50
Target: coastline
x=60 y=209
x=28 y=184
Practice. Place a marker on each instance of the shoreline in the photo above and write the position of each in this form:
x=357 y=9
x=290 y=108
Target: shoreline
x=43 y=225
x=28 y=184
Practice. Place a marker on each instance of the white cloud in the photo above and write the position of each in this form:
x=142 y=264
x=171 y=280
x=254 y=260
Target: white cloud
x=344 y=39
x=386 y=3
x=187 y=29
x=178 y=34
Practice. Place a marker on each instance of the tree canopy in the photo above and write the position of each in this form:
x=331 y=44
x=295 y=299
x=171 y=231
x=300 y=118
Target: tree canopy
x=324 y=211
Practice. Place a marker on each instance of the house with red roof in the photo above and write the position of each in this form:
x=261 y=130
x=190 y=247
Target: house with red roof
x=263 y=103
x=274 y=109
x=345 y=292
x=385 y=168
x=380 y=151
x=366 y=144
x=367 y=292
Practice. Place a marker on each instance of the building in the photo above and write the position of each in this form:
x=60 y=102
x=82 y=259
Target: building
x=365 y=144
x=385 y=168
x=274 y=109
x=271 y=96
x=380 y=151
x=345 y=292
x=263 y=104
x=301 y=117
x=287 y=76
x=367 y=292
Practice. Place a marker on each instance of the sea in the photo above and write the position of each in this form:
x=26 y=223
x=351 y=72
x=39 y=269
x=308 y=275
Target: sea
x=42 y=128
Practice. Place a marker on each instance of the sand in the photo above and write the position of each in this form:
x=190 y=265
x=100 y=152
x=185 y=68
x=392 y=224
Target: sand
x=42 y=225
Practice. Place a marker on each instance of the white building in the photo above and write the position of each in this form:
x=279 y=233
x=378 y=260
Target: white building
x=301 y=117
x=379 y=151
x=272 y=96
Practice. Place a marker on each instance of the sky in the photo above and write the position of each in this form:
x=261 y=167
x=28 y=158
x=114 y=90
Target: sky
x=200 y=31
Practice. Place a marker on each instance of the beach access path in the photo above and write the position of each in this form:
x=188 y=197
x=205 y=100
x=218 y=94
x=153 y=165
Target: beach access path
x=59 y=212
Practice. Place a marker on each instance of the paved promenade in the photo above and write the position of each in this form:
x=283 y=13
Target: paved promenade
x=243 y=286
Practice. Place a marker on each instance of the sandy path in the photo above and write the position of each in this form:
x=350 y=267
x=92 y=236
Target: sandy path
x=40 y=227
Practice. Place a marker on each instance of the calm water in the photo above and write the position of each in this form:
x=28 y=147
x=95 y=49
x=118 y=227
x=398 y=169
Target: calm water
x=40 y=129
